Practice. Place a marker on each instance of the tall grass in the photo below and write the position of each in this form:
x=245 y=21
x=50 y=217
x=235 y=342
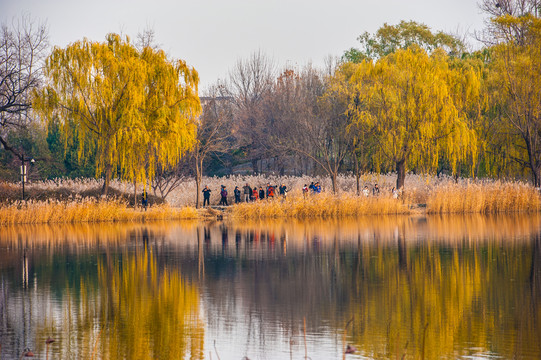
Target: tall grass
x=86 y=210
x=486 y=197
x=319 y=206
x=79 y=200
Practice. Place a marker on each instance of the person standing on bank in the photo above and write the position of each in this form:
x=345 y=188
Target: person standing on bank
x=223 y=193
x=247 y=192
x=144 y=200
x=206 y=196
x=237 y=194
x=283 y=190
x=304 y=191
x=261 y=193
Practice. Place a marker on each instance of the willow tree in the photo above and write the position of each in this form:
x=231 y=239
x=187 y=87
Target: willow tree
x=132 y=108
x=515 y=73
x=406 y=97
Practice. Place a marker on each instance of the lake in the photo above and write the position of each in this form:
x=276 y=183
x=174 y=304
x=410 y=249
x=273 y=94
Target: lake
x=427 y=287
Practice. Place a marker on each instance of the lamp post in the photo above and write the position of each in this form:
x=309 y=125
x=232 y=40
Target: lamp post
x=26 y=353
x=23 y=170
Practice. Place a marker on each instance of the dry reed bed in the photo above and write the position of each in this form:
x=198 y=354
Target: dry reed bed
x=86 y=211
x=485 y=197
x=319 y=206
x=490 y=197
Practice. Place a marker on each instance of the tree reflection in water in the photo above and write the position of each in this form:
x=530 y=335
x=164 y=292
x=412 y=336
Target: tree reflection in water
x=432 y=288
x=146 y=312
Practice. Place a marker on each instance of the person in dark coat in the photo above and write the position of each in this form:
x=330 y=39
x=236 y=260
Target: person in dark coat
x=283 y=190
x=223 y=194
x=261 y=193
x=206 y=195
x=237 y=194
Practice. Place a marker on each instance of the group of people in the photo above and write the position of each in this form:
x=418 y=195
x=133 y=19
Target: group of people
x=376 y=192
x=313 y=188
x=247 y=194
x=250 y=194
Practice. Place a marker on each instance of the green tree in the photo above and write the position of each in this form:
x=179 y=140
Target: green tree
x=390 y=38
x=133 y=108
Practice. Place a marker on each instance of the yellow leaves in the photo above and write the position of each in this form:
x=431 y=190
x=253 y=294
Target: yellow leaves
x=136 y=108
x=415 y=102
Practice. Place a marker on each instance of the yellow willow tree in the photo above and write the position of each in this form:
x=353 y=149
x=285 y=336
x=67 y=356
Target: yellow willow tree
x=133 y=108
x=406 y=99
x=516 y=74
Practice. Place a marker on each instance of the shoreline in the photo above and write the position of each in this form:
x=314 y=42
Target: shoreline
x=322 y=207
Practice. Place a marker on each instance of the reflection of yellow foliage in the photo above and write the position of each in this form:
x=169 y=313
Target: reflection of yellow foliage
x=147 y=315
x=88 y=235
x=426 y=302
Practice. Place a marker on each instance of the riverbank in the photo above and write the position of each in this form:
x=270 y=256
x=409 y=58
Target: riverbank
x=480 y=198
x=87 y=210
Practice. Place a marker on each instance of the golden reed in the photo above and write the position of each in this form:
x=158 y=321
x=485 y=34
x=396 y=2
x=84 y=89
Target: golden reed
x=320 y=206
x=492 y=197
x=86 y=210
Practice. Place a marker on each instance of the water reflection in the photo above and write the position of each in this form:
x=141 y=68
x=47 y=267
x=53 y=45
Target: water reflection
x=423 y=288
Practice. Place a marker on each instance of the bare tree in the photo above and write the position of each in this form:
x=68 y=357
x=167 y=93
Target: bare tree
x=314 y=123
x=517 y=8
x=213 y=129
x=22 y=50
x=249 y=82
x=168 y=179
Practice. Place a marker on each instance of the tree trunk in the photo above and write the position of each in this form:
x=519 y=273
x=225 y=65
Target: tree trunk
x=357 y=175
x=401 y=174
x=536 y=174
x=134 y=194
x=198 y=178
x=333 y=178
x=107 y=182
x=535 y=166
x=254 y=166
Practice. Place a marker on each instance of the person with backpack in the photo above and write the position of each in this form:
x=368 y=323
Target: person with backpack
x=206 y=195
x=304 y=191
x=270 y=191
x=223 y=194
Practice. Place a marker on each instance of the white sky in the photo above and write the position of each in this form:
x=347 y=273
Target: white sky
x=212 y=34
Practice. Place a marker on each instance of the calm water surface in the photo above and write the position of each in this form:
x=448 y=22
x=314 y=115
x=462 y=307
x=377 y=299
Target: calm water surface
x=393 y=287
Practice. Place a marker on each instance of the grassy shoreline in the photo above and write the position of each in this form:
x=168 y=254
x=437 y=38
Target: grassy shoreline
x=87 y=210
x=473 y=198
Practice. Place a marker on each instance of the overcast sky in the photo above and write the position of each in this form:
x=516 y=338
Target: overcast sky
x=212 y=34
